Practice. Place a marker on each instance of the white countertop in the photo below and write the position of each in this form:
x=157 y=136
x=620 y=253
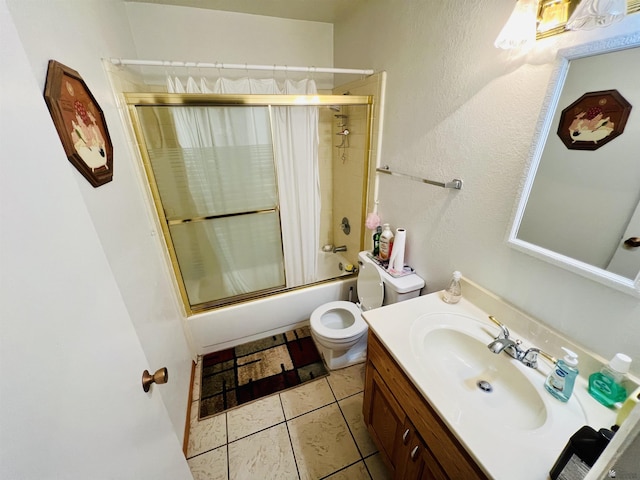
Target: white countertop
x=503 y=449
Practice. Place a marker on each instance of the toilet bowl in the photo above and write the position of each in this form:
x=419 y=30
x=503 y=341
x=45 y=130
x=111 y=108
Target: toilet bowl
x=338 y=328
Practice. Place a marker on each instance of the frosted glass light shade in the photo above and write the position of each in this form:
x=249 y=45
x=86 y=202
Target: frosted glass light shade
x=520 y=29
x=597 y=13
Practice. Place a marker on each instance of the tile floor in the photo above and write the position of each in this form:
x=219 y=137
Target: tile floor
x=311 y=432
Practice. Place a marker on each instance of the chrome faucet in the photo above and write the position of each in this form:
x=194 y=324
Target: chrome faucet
x=341 y=248
x=503 y=343
x=500 y=345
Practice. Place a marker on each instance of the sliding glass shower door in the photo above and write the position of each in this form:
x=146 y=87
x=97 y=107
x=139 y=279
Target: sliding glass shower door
x=215 y=175
x=235 y=184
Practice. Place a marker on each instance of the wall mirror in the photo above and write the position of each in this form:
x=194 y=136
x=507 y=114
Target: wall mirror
x=580 y=203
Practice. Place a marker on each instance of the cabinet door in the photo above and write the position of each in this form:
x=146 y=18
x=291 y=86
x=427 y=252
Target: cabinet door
x=440 y=442
x=383 y=416
x=415 y=461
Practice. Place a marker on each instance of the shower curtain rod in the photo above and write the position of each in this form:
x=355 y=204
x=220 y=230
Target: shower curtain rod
x=239 y=66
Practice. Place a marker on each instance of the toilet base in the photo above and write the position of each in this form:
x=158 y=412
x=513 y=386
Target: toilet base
x=337 y=359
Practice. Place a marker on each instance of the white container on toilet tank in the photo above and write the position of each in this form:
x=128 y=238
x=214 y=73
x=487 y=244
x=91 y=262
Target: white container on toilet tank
x=338 y=328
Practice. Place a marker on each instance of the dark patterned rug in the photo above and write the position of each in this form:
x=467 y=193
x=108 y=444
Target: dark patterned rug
x=248 y=372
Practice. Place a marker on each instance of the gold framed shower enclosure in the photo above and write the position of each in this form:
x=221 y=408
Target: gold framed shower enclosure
x=136 y=100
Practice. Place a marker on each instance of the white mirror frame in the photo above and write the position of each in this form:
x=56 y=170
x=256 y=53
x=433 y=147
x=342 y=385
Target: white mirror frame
x=618 y=282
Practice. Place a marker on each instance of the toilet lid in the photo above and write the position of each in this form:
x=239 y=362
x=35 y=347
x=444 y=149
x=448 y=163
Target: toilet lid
x=370 y=287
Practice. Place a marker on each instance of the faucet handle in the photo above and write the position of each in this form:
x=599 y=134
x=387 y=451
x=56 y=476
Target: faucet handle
x=503 y=327
x=530 y=357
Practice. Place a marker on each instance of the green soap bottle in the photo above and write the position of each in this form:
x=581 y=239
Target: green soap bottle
x=606 y=385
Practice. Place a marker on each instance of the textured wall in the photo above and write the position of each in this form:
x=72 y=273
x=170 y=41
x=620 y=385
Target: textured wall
x=52 y=30
x=163 y=32
x=458 y=107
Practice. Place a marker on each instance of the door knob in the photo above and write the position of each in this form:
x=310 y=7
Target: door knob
x=632 y=242
x=161 y=376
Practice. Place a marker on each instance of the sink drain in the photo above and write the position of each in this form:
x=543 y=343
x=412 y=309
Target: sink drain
x=484 y=386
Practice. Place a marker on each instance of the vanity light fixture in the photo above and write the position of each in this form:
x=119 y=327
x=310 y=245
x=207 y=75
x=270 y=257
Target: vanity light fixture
x=552 y=14
x=520 y=29
x=597 y=13
x=552 y=17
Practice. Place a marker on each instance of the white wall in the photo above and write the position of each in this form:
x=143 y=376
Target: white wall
x=164 y=32
x=71 y=401
x=79 y=34
x=458 y=107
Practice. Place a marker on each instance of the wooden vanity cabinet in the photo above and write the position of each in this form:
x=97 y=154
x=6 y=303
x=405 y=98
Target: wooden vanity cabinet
x=413 y=441
x=415 y=459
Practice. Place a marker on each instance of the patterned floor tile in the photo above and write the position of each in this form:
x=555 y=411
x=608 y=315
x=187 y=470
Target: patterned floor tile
x=254 y=417
x=352 y=410
x=210 y=466
x=353 y=472
x=377 y=468
x=206 y=434
x=322 y=443
x=264 y=455
x=298 y=434
x=347 y=381
x=305 y=398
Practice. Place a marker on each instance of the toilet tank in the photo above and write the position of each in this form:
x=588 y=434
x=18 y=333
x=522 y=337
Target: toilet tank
x=396 y=289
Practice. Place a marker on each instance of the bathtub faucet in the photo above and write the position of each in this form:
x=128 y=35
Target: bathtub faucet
x=341 y=248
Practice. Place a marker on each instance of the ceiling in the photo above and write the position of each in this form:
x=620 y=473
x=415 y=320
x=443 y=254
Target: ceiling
x=327 y=11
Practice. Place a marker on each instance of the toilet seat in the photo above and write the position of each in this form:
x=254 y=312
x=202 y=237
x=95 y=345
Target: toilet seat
x=326 y=320
x=370 y=286
x=342 y=321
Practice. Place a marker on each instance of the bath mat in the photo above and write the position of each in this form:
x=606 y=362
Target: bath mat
x=256 y=369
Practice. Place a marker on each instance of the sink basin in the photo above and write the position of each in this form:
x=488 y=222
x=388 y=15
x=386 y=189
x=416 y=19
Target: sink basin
x=517 y=429
x=478 y=385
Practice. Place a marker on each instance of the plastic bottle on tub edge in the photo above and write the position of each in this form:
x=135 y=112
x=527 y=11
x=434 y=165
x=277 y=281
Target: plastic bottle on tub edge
x=453 y=293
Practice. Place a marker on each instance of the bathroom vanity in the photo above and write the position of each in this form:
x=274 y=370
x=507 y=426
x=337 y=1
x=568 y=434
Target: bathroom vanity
x=440 y=405
x=413 y=441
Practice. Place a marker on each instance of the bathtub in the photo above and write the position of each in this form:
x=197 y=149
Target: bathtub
x=331 y=265
x=233 y=325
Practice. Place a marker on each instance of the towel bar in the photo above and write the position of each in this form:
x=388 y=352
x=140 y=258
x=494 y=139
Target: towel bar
x=455 y=183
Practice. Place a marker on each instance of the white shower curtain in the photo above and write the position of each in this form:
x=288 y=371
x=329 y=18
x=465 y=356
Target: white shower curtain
x=295 y=133
x=296 y=145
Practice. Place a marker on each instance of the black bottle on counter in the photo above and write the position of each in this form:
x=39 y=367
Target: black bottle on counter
x=579 y=455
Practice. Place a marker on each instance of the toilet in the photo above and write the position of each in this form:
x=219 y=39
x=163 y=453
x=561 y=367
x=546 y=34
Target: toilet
x=338 y=329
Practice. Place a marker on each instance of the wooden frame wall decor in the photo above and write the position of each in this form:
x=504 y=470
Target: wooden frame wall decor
x=80 y=123
x=593 y=120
